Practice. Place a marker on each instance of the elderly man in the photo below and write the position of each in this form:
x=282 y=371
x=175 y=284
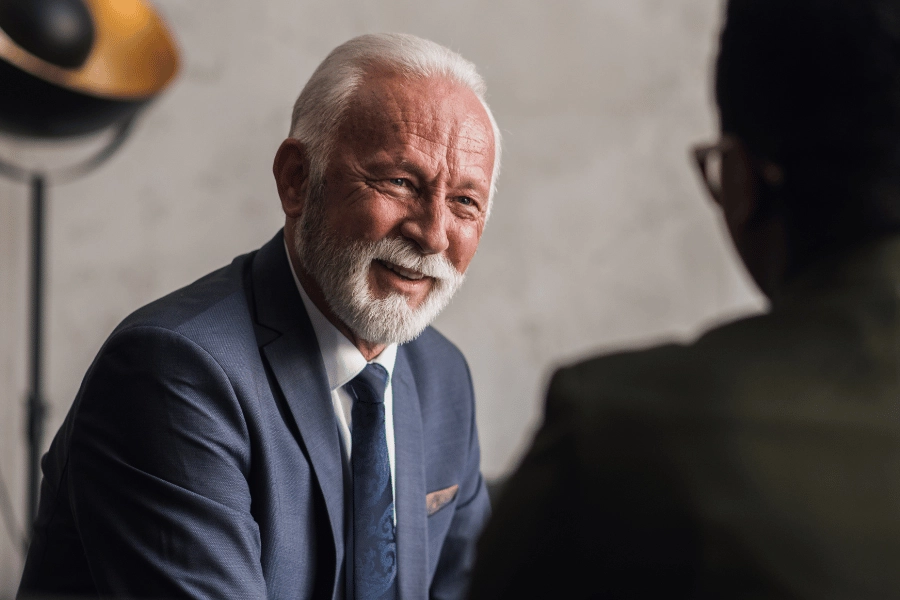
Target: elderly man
x=762 y=461
x=289 y=426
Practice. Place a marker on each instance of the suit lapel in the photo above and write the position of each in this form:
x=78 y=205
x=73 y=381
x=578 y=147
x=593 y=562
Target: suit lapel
x=293 y=354
x=305 y=388
x=412 y=525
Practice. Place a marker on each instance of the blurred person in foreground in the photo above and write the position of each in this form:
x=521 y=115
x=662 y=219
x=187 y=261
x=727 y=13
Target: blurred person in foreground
x=290 y=427
x=762 y=461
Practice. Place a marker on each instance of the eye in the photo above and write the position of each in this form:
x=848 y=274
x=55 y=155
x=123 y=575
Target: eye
x=399 y=182
x=465 y=201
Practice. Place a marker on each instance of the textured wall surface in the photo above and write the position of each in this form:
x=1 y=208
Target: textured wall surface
x=600 y=237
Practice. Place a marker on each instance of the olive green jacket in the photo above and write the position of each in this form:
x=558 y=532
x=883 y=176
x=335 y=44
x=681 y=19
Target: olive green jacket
x=762 y=461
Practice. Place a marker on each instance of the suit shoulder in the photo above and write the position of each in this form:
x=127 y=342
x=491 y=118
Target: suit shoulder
x=220 y=292
x=669 y=376
x=617 y=374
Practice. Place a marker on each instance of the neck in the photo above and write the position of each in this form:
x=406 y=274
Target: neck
x=788 y=255
x=368 y=349
x=764 y=252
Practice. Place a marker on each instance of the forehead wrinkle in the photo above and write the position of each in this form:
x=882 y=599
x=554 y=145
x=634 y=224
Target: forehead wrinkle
x=436 y=155
x=450 y=138
x=434 y=130
x=441 y=164
x=448 y=151
x=455 y=139
x=392 y=104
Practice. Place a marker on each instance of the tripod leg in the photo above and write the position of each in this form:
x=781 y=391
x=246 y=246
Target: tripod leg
x=35 y=404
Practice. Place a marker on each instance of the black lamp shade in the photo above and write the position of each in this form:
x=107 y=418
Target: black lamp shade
x=60 y=32
x=32 y=107
x=73 y=67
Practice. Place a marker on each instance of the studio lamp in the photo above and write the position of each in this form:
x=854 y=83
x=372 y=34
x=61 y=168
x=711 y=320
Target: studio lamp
x=71 y=68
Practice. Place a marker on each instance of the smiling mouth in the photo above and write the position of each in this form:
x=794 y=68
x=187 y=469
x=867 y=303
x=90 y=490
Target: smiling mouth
x=404 y=273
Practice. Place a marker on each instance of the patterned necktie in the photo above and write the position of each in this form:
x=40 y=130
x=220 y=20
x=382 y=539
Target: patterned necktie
x=374 y=545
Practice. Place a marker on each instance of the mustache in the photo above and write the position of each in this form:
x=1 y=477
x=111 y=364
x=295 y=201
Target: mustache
x=404 y=253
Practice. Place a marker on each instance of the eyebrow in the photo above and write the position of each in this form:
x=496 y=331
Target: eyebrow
x=469 y=185
x=413 y=169
x=388 y=164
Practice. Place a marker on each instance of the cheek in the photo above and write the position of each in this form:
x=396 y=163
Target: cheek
x=369 y=216
x=464 y=242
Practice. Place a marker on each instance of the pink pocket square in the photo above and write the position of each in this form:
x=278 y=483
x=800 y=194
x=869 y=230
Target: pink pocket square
x=435 y=501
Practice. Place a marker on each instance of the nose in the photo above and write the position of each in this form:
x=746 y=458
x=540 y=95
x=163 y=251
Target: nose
x=427 y=225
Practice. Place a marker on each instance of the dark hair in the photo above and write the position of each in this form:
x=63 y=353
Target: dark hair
x=814 y=86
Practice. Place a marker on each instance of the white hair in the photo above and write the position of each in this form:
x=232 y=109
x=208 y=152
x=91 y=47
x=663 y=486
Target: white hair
x=323 y=103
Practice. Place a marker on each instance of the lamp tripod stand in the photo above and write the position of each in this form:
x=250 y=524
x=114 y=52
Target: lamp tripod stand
x=69 y=68
x=35 y=403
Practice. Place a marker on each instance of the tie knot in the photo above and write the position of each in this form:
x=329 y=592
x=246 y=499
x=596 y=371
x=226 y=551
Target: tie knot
x=369 y=385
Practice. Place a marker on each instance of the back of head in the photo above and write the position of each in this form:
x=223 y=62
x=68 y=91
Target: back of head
x=330 y=90
x=814 y=86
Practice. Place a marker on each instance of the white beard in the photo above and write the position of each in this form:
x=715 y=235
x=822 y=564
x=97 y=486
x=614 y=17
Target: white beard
x=342 y=271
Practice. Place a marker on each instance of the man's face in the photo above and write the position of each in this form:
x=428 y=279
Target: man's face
x=398 y=219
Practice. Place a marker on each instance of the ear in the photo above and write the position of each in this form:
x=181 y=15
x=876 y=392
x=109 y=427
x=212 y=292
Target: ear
x=291 y=170
x=738 y=199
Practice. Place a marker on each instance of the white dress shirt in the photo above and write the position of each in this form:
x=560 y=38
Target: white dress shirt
x=343 y=361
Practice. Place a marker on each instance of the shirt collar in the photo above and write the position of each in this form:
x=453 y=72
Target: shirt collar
x=343 y=361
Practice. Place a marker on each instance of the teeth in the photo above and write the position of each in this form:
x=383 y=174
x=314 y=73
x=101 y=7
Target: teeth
x=414 y=275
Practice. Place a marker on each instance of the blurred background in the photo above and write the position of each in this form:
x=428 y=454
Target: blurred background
x=601 y=236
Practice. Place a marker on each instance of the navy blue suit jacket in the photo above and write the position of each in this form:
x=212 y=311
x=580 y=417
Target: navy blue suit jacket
x=202 y=459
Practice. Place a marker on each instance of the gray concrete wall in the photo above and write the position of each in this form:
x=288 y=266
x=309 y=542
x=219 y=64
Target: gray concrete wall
x=600 y=238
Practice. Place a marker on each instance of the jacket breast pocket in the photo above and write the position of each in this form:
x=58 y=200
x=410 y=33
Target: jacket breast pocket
x=438 y=500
